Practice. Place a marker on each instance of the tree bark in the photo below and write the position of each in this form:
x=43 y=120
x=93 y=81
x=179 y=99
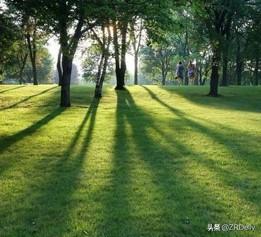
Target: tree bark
x=23 y=62
x=123 y=52
x=136 y=60
x=239 y=63
x=68 y=48
x=214 y=73
x=120 y=61
x=104 y=42
x=224 y=81
x=59 y=68
x=66 y=80
x=163 y=78
x=200 y=73
x=256 y=69
x=32 y=53
x=98 y=93
x=116 y=54
x=98 y=89
x=136 y=42
x=164 y=72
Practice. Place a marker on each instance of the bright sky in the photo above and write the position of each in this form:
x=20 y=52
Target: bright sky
x=53 y=47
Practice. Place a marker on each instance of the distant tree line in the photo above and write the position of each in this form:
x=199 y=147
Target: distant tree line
x=222 y=37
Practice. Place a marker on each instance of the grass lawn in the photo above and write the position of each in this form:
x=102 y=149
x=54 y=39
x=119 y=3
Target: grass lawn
x=150 y=161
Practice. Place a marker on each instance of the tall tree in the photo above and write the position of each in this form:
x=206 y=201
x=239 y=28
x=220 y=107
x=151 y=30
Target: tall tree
x=104 y=42
x=155 y=15
x=9 y=33
x=31 y=35
x=216 y=16
x=136 y=32
x=69 y=20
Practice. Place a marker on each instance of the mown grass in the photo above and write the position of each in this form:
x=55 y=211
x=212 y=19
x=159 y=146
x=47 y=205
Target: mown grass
x=149 y=161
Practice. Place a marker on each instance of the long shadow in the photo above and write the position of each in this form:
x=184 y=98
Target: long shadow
x=116 y=209
x=234 y=98
x=211 y=133
x=91 y=113
x=53 y=200
x=10 y=89
x=253 y=165
x=7 y=142
x=168 y=193
x=178 y=204
x=28 y=98
x=167 y=166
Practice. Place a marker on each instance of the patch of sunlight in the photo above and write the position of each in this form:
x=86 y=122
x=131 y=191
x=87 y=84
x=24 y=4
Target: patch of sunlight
x=218 y=192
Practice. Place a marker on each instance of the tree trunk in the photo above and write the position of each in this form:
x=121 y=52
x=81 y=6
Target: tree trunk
x=164 y=75
x=116 y=54
x=35 y=80
x=120 y=61
x=239 y=69
x=123 y=52
x=224 y=81
x=59 y=68
x=32 y=52
x=196 y=81
x=136 y=45
x=22 y=66
x=104 y=42
x=256 y=70
x=98 y=89
x=29 y=44
x=200 y=73
x=214 y=73
x=97 y=93
x=136 y=68
x=66 y=80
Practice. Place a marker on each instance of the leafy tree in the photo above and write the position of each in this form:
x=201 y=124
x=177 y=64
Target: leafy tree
x=136 y=34
x=216 y=17
x=104 y=42
x=69 y=20
x=9 y=33
x=155 y=15
x=44 y=65
x=17 y=60
x=159 y=57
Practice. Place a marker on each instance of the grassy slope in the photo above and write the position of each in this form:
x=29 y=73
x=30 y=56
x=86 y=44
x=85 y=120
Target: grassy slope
x=149 y=161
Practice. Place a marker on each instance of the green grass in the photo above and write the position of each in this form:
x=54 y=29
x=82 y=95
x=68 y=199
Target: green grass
x=149 y=161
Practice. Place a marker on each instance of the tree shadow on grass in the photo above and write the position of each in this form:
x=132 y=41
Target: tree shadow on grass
x=116 y=211
x=168 y=202
x=6 y=142
x=234 y=98
x=28 y=98
x=213 y=134
x=239 y=152
x=52 y=198
x=11 y=89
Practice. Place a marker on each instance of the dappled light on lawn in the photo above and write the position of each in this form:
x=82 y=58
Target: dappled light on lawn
x=147 y=161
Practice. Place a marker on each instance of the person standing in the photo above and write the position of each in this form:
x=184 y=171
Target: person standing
x=180 y=72
x=191 y=72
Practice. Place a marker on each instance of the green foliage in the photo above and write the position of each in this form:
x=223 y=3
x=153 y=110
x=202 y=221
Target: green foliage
x=9 y=33
x=91 y=61
x=44 y=66
x=14 y=68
